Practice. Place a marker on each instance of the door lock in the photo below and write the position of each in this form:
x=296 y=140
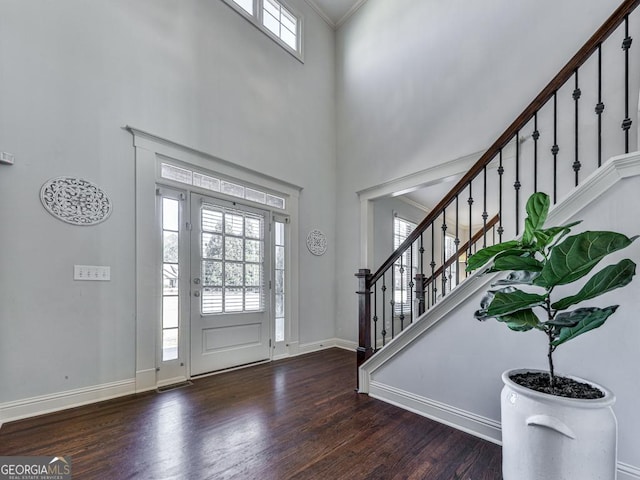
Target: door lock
x=196 y=281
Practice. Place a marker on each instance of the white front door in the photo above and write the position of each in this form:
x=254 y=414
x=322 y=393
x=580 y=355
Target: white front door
x=230 y=301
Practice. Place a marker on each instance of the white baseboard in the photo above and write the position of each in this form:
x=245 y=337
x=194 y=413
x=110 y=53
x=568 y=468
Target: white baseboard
x=328 y=343
x=457 y=418
x=628 y=472
x=31 y=407
x=145 y=380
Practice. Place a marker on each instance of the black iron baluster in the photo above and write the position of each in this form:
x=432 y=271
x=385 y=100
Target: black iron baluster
x=457 y=243
x=392 y=302
x=600 y=105
x=402 y=277
x=500 y=173
x=576 y=97
x=555 y=149
x=411 y=284
x=517 y=183
x=375 y=317
x=444 y=251
x=434 y=290
x=384 y=303
x=626 y=45
x=485 y=215
x=535 y=135
x=470 y=202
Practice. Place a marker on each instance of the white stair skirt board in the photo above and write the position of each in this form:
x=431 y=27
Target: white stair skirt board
x=600 y=181
x=468 y=422
x=30 y=407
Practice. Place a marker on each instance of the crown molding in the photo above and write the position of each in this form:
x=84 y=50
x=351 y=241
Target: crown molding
x=341 y=21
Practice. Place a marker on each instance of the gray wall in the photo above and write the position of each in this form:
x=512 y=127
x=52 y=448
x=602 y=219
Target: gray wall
x=72 y=73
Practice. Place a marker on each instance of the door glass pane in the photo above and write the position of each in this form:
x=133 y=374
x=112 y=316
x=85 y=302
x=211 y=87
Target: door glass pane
x=211 y=246
x=233 y=249
x=169 y=214
x=233 y=275
x=279 y=257
x=211 y=220
x=252 y=251
x=252 y=276
x=253 y=299
x=170 y=279
x=169 y=344
x=170 y=312
x=279 y=281
x=212 y=273
x=233 y=224
x=170 y=246
x=233 y=300
x=254 y=228
x=211 y=300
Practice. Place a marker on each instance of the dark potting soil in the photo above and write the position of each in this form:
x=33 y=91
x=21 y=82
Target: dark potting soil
x=564 y=387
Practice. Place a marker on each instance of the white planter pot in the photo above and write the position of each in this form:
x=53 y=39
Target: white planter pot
x=545 y=437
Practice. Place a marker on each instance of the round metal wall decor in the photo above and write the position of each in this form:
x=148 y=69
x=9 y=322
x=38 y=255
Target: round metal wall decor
x=317 y=242
x=75 y=201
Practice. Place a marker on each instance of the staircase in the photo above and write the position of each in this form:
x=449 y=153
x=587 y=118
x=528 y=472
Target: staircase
x=572 y=141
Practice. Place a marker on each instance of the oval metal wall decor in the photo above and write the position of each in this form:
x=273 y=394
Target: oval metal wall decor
x=75 y=201
x=317 y=242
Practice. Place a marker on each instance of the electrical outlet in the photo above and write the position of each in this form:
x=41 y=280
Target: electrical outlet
x=91 y=273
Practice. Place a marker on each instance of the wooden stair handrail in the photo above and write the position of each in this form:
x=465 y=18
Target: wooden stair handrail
x=538 y=102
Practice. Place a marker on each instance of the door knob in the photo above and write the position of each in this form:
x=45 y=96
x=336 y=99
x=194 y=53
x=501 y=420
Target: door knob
x=196 y=293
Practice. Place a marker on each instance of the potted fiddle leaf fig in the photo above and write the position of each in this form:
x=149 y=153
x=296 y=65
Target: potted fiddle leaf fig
x=553 y=426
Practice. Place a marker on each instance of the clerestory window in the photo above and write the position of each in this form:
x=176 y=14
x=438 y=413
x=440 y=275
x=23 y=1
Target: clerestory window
x=275 y=19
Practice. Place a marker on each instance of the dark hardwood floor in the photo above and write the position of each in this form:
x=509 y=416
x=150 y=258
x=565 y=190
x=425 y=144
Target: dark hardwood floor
x=297 y=418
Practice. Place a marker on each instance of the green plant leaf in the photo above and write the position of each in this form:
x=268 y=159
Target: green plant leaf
x=537 y=210
x=546 y=236
x=518 y=278
x=481 y=257
x=511 y=300
x=512 y=262
x=607 y=279
x=520 y=321
x=587 y=319
x=576 y=256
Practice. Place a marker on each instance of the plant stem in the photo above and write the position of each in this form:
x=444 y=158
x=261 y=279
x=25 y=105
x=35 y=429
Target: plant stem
x=552 y=377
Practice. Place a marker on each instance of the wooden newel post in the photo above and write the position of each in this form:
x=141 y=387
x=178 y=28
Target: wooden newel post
x=364 y=316
x=419 y=279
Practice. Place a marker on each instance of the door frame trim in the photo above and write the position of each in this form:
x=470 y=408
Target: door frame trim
x=150 y=151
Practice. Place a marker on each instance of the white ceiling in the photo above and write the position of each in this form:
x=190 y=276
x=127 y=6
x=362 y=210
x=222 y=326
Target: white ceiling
x=335 y=12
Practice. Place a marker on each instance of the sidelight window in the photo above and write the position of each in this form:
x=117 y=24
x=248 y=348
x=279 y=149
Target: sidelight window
x=170 y=277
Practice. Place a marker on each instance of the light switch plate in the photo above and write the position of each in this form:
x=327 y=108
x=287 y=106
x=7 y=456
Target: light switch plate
x=91 y=273
x=6 y=158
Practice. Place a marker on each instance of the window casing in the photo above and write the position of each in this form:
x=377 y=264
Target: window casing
x=277 y=20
